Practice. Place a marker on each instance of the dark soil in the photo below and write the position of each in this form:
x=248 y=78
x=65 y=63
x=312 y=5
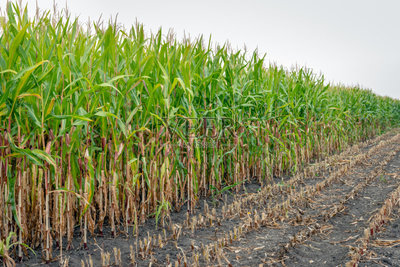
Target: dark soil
x=385 y=255
x=328 y=224
x=331 y=247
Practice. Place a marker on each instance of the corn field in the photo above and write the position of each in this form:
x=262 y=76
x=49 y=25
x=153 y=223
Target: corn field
x=102 y=125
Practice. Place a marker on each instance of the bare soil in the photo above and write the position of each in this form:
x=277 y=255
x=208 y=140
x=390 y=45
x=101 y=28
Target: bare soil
x=314 y=219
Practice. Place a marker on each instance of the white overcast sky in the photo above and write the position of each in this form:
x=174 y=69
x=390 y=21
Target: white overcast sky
x=355 y=42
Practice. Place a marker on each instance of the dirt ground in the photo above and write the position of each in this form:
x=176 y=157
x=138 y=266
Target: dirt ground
x=316 y=218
